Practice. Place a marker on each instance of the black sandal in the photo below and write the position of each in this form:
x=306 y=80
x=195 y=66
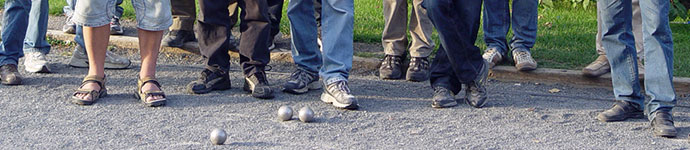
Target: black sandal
x=145 y=95
x=95 y=95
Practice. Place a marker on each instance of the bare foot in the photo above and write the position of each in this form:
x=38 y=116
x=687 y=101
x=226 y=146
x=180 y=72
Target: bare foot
x=151 y=87
x=88 y=86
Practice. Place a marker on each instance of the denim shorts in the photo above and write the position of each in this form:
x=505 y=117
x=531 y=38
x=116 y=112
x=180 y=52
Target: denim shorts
x=152 y=15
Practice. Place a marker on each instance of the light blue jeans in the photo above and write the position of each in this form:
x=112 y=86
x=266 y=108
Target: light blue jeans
x=335 y=62
x=498 y=20
x=151 y=15
x=617 y=39
x=18 y=16
x=35 y=40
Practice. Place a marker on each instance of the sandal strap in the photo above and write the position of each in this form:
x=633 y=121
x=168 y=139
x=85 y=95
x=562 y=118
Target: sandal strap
x=145 y=80
x=93 y=79
x=154 y=93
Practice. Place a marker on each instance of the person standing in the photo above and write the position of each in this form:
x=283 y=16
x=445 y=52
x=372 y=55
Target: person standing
x=115 y=26
x=619 y=43
x=458 y=64
x=394 y=40
x=35 y=45
x=18 y=16
x=334 y=62
x=498 y=19
x=184 y=16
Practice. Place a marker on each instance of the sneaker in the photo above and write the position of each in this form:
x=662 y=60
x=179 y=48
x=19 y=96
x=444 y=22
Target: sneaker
x=272 y=46
x=177 y=38
x=69 y=27
x=338 y=94
x=443 y=98
x=301 y=81
x=662 y=125
x=112 y=61
x=620 y=111
x=493 y=56
x=9 y=75
x=258 y=85
x=115 y=27
x=476 y=93
x=524 y=60
x=36 y=62
x=391 y=67
x=211 y=79
x=598 y=67
x=418 y=70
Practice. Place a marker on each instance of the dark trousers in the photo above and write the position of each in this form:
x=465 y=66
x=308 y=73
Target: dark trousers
x=275 y=12
x=457 y=60
x=213 y=30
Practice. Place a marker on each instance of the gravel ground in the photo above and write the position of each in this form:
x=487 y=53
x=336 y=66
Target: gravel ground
x=394 y=115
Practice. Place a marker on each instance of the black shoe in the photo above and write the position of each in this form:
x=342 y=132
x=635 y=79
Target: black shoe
x=9 y=75
x=301 y=81
x=443 y=98
x=418 y=70
x=476 y=93
x=662 y=125
x=211 y=79
x=338 y=94
x=391 y=67
x=177 y=38
x=620 y=111
x=258 y=85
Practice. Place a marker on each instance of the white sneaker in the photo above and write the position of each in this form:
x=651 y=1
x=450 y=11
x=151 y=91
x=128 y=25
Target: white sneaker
x=36 y=62
x=112 y=61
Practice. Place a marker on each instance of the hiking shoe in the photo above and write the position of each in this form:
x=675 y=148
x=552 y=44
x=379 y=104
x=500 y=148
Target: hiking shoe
x=301 y=81
x=36 y=62
x=443 y=98
x=9 y=75
x=476 y=93
x=112 y=61
x=662 y=125
x=620 y=111
x=598 y=67
x=177 y=38
x=391 y=67
x=493 y=56
x=524 y=60
x=211 y=79
x=418 y=70
x=338 y=94
x=115 y=27
x=258 y=85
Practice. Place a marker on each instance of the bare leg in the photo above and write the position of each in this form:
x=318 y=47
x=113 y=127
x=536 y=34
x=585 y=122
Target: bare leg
x=149 y=46
x=96 y=43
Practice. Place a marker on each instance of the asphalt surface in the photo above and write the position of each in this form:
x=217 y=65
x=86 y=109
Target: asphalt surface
x=393 y=115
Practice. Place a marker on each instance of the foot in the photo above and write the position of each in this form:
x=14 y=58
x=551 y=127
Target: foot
x=418 y=69
x=620 y=111
x=598 y=67
x=151 y=87
x=115 y=27
x=524 y=61
x=211 y=79
x=87 y=96
x=662 y=125
x=258 y=85
x=112 y=61
x=443 y=98
x=301 y=81
x=177 y=38
x=391 y=67
x=9 y=75
x=493 y=56
x=69 y=27
x=338 y=94
x=36 y=62
x=476 y=93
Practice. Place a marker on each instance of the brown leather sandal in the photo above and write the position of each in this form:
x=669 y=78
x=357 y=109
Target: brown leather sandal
x=94 y=94
x=141 y=95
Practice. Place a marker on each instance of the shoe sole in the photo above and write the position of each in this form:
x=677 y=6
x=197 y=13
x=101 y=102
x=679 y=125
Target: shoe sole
x=41 y=69
x=311 y=86
x=222 y=87
x=629 y=116
x=11 y=83
x=263 y=94
x=482 y=100
x=415 y=77
x=156 y=103
x=91 y=102
x=447 y=105
x=328 y=99
x=83 y=63
x=526 y=67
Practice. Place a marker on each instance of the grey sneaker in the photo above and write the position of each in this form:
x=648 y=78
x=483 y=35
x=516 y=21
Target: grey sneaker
x=338 y=94
x=36 y=62
x=524 y=60
x=493 y=56
x=443 y=98
x=69 y=27
x=598 y=67
x=115 y=27
x=476 y=93
x=112 y=61
x=301 y=81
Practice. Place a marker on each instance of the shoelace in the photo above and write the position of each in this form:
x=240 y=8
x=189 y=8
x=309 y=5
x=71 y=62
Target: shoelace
x=342 y=86
x=523 y=57
x=420 y=63
x=492 y=53
x=389 y=60
x=301 y=76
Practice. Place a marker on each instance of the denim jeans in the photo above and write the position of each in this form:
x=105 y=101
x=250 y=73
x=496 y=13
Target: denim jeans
x=69 y=9
x=616 y=16
x=15 y=21
x=498 y=19
x=337 y=20
x=151 y=15
x=35 y=40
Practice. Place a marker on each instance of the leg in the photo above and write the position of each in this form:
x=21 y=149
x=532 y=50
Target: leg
x=658 y=43
x=600 y=66
x=420 y=30
x=305 y=50
x=184 y=15
x=254 y=53
x=394 y=37
x=69 y=26
x=338 y=26
x=496 y=25
x=153 y=17
x=637 y=29
x=275 y=12
x=524 y=24
x=213 y=30
x=15 y=23
x=35 y=45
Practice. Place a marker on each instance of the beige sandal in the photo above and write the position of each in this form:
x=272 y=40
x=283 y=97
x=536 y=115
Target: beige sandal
x=95 y=95
x=141 y=95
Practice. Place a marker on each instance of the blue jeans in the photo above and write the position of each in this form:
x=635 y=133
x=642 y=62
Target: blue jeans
x=35 y=40
x=16 y=21
x=617 y=39
x=498 y=19
x=337 y=20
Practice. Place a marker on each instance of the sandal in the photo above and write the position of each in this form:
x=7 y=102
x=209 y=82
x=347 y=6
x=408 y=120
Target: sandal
x=141 y=95
x=95 y=95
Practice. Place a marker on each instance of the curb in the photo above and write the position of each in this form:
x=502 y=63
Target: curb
x=504 y=73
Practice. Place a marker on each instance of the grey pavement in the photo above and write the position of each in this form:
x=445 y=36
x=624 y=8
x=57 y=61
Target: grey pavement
x=394 y=115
